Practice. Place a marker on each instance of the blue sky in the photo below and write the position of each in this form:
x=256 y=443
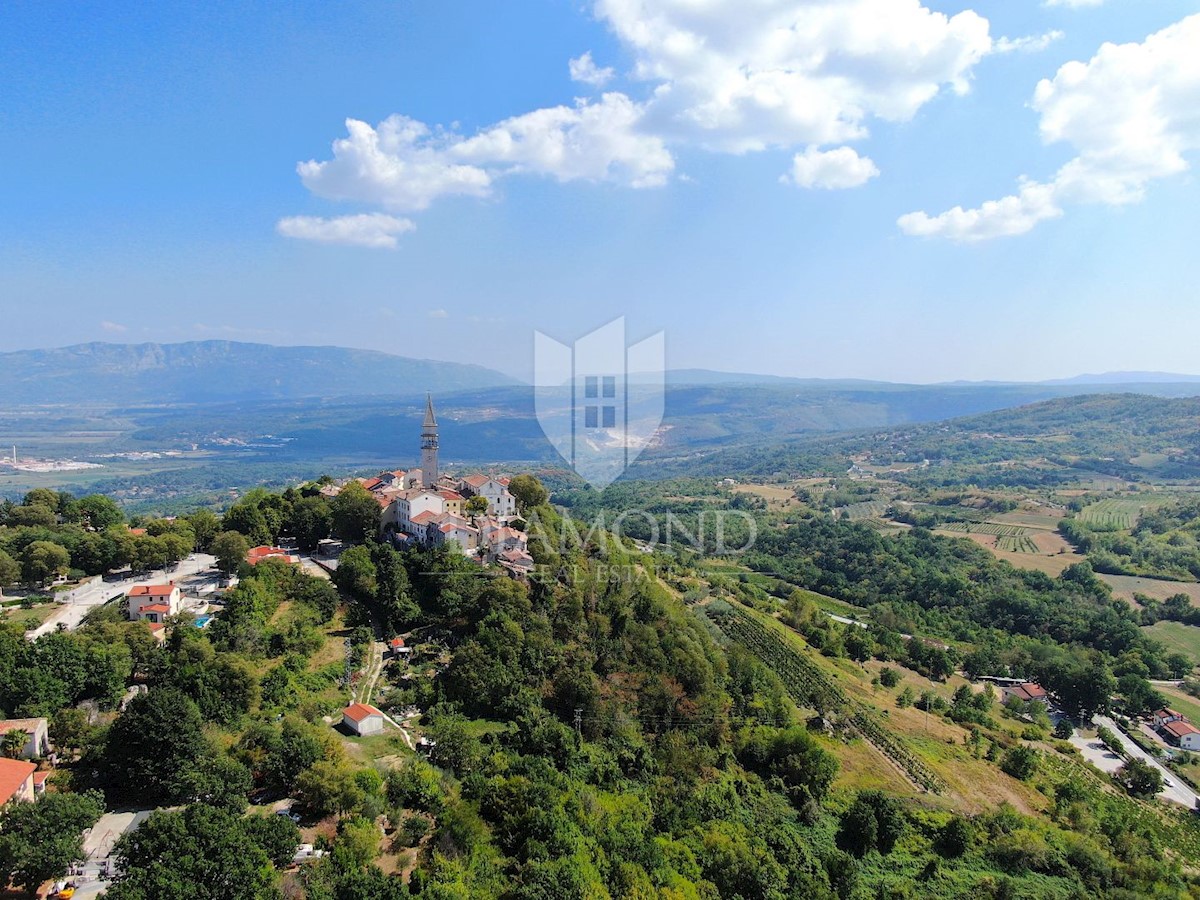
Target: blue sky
x=149 y=187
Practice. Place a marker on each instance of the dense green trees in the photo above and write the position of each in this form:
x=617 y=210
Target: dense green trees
x=310 y=521
x=1139 y=778
x=43 y=561
x=198 y=853
x=10 y=570
x=355 y=513
x=39 y=841
x=230 y=548
x=152 y=745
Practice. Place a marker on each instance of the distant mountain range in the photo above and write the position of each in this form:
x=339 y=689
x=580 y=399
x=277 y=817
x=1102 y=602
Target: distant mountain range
x=230 y=371
x=223 y=371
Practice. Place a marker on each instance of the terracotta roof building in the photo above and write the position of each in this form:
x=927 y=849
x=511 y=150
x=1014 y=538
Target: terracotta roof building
x=16 y=780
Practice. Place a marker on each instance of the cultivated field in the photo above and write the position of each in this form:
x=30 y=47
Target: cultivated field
x=1125 y=586
x=1177 y=636
x=868 y=509
x=1118 y=513
x=1051 y=553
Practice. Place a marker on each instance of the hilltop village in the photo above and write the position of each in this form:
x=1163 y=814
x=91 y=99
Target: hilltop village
x=475 y=513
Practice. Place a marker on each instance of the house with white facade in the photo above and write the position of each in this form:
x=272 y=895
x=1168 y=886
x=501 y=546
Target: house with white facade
x=37 y=737
x=495 y=490
x=1182 y=734
x=362 y=719
x=166 y=600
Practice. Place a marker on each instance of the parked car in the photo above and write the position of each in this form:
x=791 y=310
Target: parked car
x=288 y=814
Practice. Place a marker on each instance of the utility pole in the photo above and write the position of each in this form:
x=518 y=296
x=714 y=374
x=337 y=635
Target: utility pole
x=579 y=721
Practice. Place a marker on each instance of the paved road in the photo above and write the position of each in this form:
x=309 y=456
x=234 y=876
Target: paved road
x=76 y=604
x=91 y=879
x=1104 y=759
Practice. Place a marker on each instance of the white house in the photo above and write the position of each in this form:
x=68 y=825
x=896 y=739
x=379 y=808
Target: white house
x=494 y=490
x=448 y=529
x=165 y=598
x=1183 y=734
x=362 y=719
x=37 y=739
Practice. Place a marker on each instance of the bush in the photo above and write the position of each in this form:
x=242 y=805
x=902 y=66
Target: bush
x=889 y=677
x=1020 y=762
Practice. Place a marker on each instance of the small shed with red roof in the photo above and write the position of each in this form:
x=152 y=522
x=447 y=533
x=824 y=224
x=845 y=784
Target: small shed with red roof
x=362 y=719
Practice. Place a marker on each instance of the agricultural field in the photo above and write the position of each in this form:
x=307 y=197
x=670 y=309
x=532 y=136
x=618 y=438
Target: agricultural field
x=868 y=509
x=1041 y=517
x=993 y=528
x=1125 y=586
x=1118 y=513
x=776 y=495
x=1177 y=636
x=1049 y=554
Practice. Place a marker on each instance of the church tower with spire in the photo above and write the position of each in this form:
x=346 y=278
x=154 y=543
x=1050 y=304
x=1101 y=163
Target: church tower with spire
x=429 y=446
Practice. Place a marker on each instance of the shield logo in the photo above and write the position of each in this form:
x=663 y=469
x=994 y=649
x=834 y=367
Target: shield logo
x=599 y=402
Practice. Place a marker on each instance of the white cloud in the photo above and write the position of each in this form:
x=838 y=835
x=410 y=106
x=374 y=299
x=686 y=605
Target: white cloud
x=438 y=314
x=794 y=72
x=404 y=166
x=830 y=169
x=585 y=70
x=399 y=165
x=592 y=140
x=996 y=218
x=1074 y=4
x=1033 y=43
x=364 y=230
x=113 y=327
x=1130 y=115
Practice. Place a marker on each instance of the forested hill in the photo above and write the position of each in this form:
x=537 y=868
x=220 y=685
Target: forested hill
x=1119 y=434
x=207 y=371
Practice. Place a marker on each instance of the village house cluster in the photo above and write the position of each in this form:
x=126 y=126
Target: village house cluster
x=424 y=507
x=1176 y=729
x=26 y=741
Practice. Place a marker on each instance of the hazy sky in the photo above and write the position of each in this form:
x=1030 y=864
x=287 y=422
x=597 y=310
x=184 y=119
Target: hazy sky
x=873 y=188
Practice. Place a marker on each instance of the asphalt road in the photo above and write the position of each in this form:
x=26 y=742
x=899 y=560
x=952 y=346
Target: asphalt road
x=1106 y=761
x=76 y=604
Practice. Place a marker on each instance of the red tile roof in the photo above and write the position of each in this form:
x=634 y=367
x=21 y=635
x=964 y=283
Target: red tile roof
x=1179 y=729
x=397 y=642
x=1166 y=714
x=1029 y=691
x=477 y=480
x=39 y=778
x=153 y=590
x=157 y=607
x=13 y=774
x=372 y=483
x=450 y=495
x=256 y=554
x=356 y=712
x=423 y=517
